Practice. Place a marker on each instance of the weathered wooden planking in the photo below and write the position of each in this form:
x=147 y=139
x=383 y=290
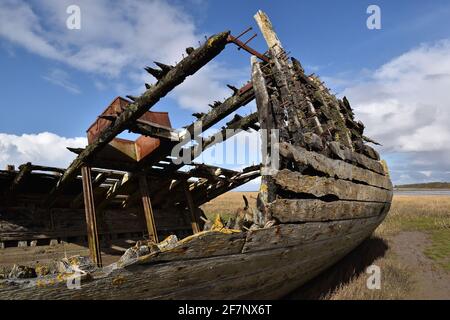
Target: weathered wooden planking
x=322 y=186
x=346 y=154
x=178 y=279
x=298 y=261
x=285 y=235
x=203 y=244
x=333 y=168
x=304 y=210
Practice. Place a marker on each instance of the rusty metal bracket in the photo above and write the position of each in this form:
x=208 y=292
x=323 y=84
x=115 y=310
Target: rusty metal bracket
x=244 y=45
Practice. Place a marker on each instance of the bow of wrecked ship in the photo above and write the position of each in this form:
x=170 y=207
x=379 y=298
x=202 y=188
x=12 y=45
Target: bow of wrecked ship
x=328 y=192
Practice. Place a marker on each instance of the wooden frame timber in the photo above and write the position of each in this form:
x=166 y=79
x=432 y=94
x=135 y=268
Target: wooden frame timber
x=91 y=219
x=148 y=211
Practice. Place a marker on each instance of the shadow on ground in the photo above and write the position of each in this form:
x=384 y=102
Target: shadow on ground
x=342 y=272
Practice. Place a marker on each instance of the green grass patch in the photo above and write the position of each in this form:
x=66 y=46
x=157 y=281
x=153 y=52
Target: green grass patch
x=439 y=250
x=417 y=223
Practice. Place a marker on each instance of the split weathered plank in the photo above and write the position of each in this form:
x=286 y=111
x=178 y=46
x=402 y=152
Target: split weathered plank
x=186 y=67
x=285 y=235
x=304 y=210
x=346 y=154
x=322 y=186
x=332 y=167
x=264 y=274
x=201 y=245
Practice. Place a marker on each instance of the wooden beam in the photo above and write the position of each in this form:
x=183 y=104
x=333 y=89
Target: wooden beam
x=223 y=110
x=192 y=209
x=243 y=123
x=47 y=169
x=120 y=187
x=148 y=211
x=231 y=130
x=202 y=170
x=267 y=188
x=91 y=219
x=78 y=201
x=155 y=130
x=24 y=171
x=268 y=32
x=186 y=67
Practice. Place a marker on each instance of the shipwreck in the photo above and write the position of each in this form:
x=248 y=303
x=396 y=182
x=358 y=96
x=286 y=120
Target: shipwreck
x=329 y=193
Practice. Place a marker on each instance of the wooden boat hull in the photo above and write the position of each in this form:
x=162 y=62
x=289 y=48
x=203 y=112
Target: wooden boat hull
x=329 y=193
x=242 y=266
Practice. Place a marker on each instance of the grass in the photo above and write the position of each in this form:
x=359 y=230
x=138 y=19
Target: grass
x=417 y=213
x=227 y=204
x=439 y=250
x=429 y=214
x=347 y=279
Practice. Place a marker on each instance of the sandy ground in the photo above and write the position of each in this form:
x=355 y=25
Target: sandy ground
x=431 y=281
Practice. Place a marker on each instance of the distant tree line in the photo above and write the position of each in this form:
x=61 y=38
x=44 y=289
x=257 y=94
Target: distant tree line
x=428 y=185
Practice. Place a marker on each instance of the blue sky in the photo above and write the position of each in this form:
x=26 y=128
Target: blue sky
x=55 y=81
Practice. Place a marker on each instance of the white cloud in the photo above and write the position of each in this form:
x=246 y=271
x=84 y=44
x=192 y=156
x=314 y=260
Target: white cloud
x=115 y=42
x=405 y=105
x=43 y=148
x=62 y=79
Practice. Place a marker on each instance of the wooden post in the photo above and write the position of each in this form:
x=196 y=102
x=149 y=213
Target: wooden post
x=148 y=211
x=267 y=189
x=190 y=202
x=91 y=219
x=268 y=33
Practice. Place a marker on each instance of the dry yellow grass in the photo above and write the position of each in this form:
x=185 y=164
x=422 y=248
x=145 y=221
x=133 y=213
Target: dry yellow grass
x=419 y=213
x=347 y=279
x=227 y=204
